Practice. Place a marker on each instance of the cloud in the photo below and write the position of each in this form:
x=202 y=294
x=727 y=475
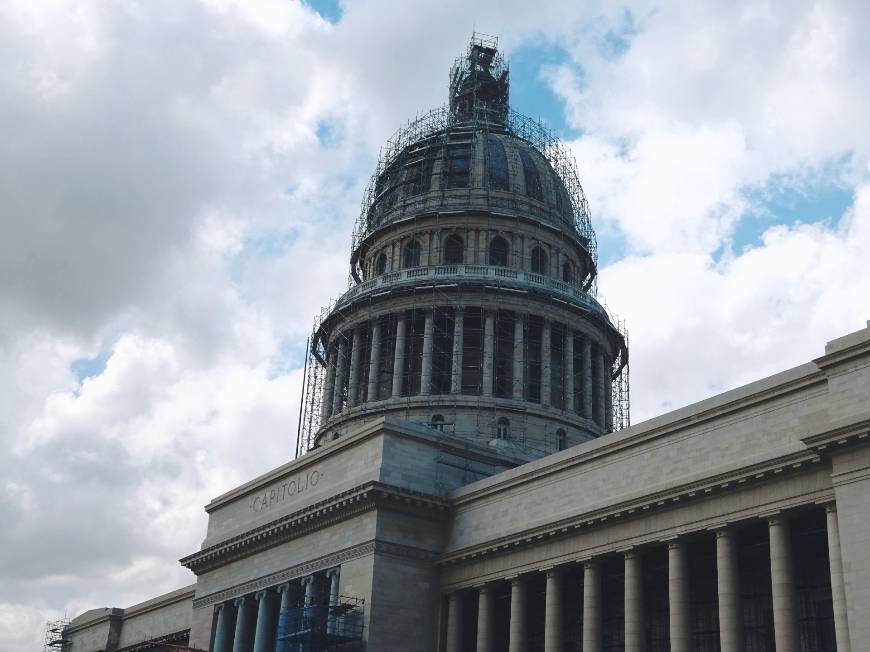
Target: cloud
x=180 y=180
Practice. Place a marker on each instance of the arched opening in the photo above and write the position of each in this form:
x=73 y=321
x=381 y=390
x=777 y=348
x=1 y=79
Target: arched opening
x=381 y=264
x=411 y=254
x=498 y=251
x=497 y=164
x=437 y=422
x=539 y=260
x=454 y=249
x=561 y=440
x=503 y=429
x=567 y=272
x=530 y=172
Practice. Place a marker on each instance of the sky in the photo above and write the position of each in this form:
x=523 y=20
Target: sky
x=179 y=180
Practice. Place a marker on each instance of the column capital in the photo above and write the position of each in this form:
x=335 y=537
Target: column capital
x=484 y=588
x=831 y=508
x=675 y=544
x=283 y=588
x=723 y=531
x=261 y=595
x=516 y=580
x=219 y=607
x=777 y=519
x=631 y=553
x=305 y=581
x=331 y=572
x=240 y=602
x=591 y=564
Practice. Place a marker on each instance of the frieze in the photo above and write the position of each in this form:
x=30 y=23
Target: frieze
x=281 y=493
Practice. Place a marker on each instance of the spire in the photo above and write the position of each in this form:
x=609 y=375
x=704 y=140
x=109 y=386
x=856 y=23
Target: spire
x=479 y=82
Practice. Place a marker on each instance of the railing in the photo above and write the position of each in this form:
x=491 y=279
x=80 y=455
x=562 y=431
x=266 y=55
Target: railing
x=444 y=274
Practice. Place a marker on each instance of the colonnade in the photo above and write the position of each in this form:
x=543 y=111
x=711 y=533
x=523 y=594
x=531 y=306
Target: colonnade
x=251 y=623
x=585 y=391
x=731 y=625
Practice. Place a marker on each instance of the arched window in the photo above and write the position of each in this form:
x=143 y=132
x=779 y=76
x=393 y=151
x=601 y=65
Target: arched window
x=411 y=254
x=539 y=260
x=530 y=172
x=453 y=250
x=381 y=264
x=567 y=273
x=498 y=252
x=437 y=422
x=503 y=429
x=497 y=163
x=561 y=440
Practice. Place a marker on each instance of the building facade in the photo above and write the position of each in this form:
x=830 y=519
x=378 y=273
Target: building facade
x=467 y=478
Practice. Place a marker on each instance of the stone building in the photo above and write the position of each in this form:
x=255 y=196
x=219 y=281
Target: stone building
x=467 y=478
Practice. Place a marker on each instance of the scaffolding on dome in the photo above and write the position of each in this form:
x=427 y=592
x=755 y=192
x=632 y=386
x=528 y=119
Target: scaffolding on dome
x=56 y=639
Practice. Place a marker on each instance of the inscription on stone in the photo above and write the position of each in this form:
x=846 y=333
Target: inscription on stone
x=285 y=490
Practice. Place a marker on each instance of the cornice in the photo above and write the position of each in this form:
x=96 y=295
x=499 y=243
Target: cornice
x=344 y=505
x=720 y=416
x=841 y=437
x=722 y=483
x=841 y=356
x=175 y=637
x=325 y=562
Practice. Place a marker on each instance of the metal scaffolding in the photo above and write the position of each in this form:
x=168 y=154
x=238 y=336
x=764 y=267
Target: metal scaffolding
x=56 y=639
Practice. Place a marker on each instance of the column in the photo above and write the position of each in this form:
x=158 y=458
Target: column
x=546 y=352
x=222 y=636
x=782 y=583
x=340 y=371
x=454 y=623
x=488 y=352
x=282 y=645
x=353 y=381
x=308 y=585
x=399 y=357
x=728 y=587
x=517 y=629
x=243 y=625
x=374 y=361
x=331 y=621
x=608 y=396
x=485 y=609
x=591 y=607
x=838 y=587
x=329 y=385
x=678 y=596
x=456 y=369
x=519 y=361
x=264 y=634
x=633 y=595
x=569 y=370
x=428 y=345
x=586 y=371
x=598 y=403
x=553 y=612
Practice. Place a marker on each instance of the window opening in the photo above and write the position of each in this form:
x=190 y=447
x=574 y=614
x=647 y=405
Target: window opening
x=458 y=165
x=530 y=172
x=437 y=422
x=498 y=252
x=497 y=159
x=411 y=254
x=539 y=260
x=503 y=429
x=381 y=264
x=567 y=273
x=561 y=440
x=454 y=250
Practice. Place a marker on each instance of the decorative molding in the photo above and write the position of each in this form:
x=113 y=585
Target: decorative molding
x=304 y=570
x=347 y=504
x=659 y=501
x=176 y=637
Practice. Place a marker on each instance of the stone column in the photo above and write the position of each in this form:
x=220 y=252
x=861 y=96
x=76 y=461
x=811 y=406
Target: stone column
x=283 y=618
x=546 y=355
x=243 y=625
x=331 y=622
x=328 y=386
x=488 y=352
x=728 y=588
x=553 y=612
x=586 y=371
x=485 y=613
x=517 y=629
x=222 y=636
x=633 y=596
x=399 y=357
x=519 y=361
x=601 y=383
x=678 y=597
x=374 y=362
x=782 y=584
x=264 y=635
x=838 y=586
x=340 y=371
x=591 y=607
x=308 y=585
x=569 y=370
x=428 y=346
x=454 y=623
x=353 y=381
x=456 y=368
